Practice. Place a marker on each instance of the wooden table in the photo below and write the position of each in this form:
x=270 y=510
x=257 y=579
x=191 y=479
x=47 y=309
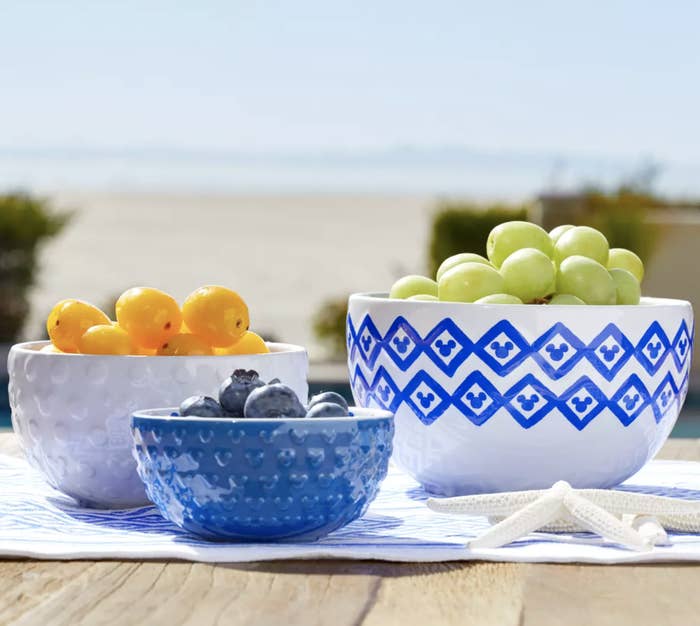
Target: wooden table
x=342 y=593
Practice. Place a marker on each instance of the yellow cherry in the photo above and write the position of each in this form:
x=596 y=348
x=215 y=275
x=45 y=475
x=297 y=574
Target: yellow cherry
x=216 y=314
x=249 y=343
x=150 y=316
x=69 y=319
x=185 y=344
x=106 y=339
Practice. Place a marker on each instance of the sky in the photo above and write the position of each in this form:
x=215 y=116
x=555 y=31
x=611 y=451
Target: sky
x=614 y=80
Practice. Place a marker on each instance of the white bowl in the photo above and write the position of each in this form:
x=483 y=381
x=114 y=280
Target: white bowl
x=71 y=412
x=507 y=397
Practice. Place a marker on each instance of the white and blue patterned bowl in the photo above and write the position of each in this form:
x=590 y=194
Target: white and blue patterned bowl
x=507 y=397
x=71 y=412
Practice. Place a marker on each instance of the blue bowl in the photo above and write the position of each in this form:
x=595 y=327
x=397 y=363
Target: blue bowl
x=262 y=479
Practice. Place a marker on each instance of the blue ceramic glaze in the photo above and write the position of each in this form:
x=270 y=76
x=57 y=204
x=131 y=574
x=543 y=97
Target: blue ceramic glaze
x=262 y=479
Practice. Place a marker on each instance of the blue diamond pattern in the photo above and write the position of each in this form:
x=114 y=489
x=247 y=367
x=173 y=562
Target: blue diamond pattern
x=369 y=341
x=528 y=401
x=581 y=402
x=384 y=390
x=681 y=346
x=351 y=338
x=360 y=386
x=629 y=400
x=426 y=397
x=663 y=397
x=447 y=346
x=477 y=398
x=502 y=348
x=557 y=351
x=402 y=343
x=652 y=348
x=609 y=351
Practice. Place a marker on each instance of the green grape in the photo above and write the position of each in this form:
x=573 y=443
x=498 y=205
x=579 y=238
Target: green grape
x=468 y=282
x=565 y=298
x=557 y=232
x=586 y=279
x=456 y=259
x=626 y=286
x=412 y=286
x=553 y=285
x=499 y=298
x=423 y=297
x=620 y=258
x=508 y=237
x=582 y=241
x=528 y=274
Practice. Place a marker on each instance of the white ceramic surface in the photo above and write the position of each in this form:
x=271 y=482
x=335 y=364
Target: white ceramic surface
x=508 y=397
x=71 y=412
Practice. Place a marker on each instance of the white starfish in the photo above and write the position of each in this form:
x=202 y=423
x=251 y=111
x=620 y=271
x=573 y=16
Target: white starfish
x=635 y=520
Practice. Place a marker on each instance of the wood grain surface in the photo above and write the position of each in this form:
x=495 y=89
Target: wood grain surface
x=341 y=593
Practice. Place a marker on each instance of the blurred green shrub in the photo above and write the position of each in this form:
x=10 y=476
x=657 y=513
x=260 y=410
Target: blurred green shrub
x=329 y=327
x=464 y=227
x=25 y=222
x=622 y=217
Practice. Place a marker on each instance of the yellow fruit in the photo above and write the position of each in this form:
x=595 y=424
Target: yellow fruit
x=185 y=344
x=250 y=343
x=51 y=348
x=145 y=351
x=106 y=339
x=150 y=316
x=218 y=315
x=69 y=319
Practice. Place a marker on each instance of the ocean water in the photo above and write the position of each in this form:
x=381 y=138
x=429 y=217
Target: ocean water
x=426 y=171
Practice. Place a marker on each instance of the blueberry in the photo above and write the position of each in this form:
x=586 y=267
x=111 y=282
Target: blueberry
x=329 y=396
x=201 y=406
x=276 y=400
x=326 y=409
x=234 y=391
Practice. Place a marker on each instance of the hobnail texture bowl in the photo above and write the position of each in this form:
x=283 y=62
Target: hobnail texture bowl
x=494 y=398
x=71 y=412
x=262 y=479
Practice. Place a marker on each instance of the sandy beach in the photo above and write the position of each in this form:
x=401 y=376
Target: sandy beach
x=285 y=254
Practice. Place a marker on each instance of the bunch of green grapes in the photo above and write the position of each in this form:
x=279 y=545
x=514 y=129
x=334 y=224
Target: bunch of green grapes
x=527 y=265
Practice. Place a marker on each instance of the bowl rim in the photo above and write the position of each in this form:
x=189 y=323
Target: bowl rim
x=276 y=348
x=646 y=303
x=360 y=414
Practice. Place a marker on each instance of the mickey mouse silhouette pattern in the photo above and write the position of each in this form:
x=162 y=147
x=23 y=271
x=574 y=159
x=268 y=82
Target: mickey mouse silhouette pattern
x=445 y=347
x=502 y=350
x=557 y=353
x=653 y=349
x=425 y=399
x=401 y=344
x=609 y=352
x=527 y=403
x=581 y=404
x=476 y=400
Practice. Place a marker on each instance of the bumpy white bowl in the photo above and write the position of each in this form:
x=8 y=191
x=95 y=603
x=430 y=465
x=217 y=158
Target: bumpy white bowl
x=507 y=397
x=71 y=412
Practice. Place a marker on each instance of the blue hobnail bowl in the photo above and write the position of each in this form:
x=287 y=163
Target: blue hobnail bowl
x=262 y=479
